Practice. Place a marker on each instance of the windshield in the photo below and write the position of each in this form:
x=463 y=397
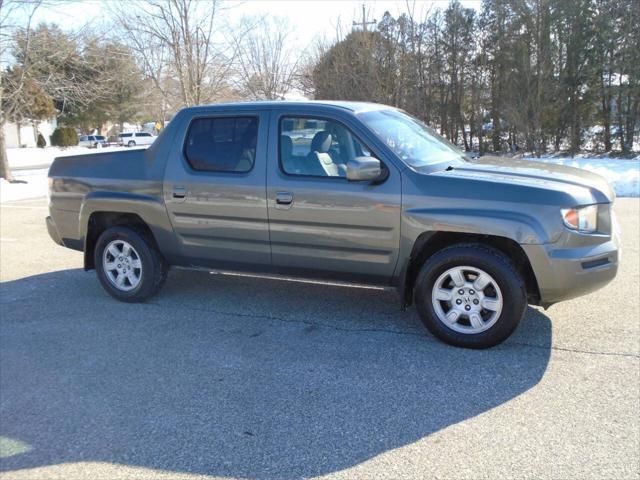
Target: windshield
x=414 y=142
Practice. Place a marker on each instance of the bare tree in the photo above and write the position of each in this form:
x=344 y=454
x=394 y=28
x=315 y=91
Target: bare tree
x=9 y=11
x=267 y=62
x=180 y=46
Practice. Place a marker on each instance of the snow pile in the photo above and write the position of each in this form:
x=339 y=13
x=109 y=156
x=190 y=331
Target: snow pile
x=622 y=174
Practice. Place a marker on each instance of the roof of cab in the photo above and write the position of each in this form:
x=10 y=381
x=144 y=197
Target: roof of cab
x=354 y=107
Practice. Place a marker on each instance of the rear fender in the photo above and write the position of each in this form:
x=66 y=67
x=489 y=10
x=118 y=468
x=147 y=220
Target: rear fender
x=149 y=208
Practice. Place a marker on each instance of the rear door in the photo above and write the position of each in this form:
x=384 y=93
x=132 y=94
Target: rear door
x=215 y=190
x=320 y=223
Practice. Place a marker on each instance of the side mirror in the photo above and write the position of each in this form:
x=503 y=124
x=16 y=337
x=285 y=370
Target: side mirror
x=364 y=169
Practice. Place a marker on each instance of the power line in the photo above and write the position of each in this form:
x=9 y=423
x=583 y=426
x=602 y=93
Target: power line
x=364 y=22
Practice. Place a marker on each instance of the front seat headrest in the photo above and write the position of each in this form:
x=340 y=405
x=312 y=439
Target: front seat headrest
x=321 y=142
x=286 y=146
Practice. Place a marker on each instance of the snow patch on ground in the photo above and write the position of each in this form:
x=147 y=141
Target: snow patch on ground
x=35 y=186
x=622 y=174
x=31 y=158
x=31 y=165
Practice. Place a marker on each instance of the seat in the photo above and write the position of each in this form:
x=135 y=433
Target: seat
x=201 y=150
x=247 y=154
x=318 y=159
x=286 y=154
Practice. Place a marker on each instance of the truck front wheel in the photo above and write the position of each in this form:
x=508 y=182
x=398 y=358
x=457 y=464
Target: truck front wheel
x=470 y=295
x=129 y=266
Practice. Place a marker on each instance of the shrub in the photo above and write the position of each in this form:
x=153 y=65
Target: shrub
x=57 y=138
x=71 y=136
x=41 y=142
x=64 y=137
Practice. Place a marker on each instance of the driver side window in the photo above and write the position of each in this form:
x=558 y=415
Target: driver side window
x=317 y=147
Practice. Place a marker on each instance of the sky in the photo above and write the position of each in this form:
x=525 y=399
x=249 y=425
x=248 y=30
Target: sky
x=310 y=19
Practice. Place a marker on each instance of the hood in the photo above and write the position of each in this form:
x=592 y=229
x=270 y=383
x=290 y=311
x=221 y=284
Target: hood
x=536 y=174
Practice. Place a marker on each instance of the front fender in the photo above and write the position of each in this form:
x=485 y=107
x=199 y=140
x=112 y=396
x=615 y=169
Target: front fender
x=421 y=226
x=519 y=227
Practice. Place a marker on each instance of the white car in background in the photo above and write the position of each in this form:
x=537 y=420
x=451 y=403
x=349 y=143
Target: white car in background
x=92 y=141
x=131 y=139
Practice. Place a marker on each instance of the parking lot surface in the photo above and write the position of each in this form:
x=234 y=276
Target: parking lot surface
x=231 y=376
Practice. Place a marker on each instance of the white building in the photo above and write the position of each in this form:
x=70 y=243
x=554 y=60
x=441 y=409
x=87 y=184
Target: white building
x=28 y=134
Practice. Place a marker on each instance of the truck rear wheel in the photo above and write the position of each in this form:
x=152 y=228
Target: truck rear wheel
x=129 y=266
x=470 y=295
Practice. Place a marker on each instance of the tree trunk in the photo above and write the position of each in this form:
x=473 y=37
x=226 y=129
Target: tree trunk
x=5 y=171
x=620 y=121
x=464 y=134
x=495 y=116
x=630 y=129
x=606 y=111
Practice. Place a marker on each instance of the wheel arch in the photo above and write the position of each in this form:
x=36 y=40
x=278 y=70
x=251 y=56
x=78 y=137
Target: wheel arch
x=428 y=243
x=100 y=221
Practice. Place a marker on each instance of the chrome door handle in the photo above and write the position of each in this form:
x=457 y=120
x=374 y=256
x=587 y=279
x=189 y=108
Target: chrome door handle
x=284 y=198
x=179 y=192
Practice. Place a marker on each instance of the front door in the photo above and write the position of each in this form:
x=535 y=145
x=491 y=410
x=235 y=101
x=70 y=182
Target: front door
x=215 y=191
x=320 y=223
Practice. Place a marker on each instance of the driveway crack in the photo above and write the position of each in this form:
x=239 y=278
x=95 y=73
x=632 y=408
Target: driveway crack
x=295 y=321
x=391 y=331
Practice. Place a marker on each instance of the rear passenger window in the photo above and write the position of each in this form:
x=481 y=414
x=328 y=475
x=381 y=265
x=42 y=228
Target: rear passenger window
x=317 y=147
x=223 y=144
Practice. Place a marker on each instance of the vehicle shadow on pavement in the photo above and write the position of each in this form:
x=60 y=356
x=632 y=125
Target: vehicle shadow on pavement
x=236 y=376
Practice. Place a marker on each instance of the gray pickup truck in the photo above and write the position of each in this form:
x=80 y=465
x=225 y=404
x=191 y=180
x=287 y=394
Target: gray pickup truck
x=336 y=190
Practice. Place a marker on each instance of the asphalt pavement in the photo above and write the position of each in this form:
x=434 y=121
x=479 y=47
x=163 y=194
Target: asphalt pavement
x=225 y=376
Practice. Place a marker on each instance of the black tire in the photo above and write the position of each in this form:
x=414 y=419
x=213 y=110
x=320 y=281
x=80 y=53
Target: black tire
x=154 y=267
x=491 y=261
x=131 y=143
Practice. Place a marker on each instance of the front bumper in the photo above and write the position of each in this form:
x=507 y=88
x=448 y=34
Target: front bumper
x=565 y=273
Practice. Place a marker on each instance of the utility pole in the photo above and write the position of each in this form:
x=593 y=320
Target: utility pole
x=364 y=22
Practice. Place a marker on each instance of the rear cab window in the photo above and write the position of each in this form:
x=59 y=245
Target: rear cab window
x=222 y=144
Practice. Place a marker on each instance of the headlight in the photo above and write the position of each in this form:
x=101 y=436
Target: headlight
x=583 y=219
